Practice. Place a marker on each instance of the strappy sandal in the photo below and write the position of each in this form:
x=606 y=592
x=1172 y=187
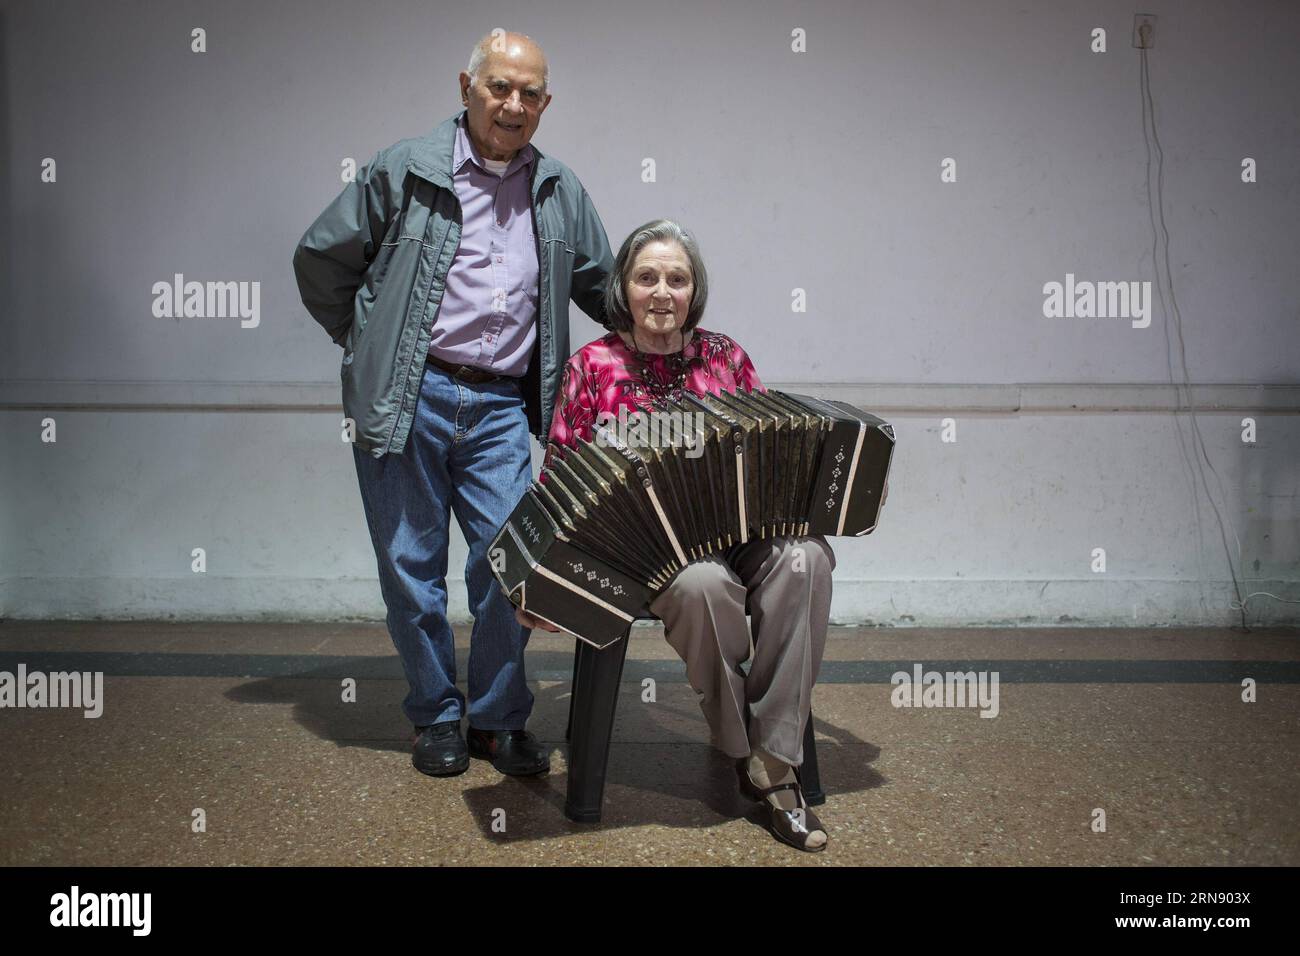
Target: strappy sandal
x=791 y=827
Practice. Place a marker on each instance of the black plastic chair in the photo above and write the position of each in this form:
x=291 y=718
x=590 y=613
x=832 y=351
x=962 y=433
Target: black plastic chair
x=593 y=700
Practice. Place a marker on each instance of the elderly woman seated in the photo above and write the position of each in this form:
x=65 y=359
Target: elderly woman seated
x=655 y=298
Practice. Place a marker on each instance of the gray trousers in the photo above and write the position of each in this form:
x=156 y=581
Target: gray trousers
x=785 y=584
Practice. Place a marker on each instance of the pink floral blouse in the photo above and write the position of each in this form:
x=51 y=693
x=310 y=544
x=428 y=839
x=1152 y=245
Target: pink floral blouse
x=606 y=375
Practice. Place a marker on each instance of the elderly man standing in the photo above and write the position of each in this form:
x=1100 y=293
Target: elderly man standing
x=445 y=271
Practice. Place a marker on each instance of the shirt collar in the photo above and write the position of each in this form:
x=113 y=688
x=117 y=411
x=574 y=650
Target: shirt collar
x=465 y=150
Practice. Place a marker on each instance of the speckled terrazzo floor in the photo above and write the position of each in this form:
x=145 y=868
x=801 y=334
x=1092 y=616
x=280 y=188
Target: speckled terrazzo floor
x=246 y=722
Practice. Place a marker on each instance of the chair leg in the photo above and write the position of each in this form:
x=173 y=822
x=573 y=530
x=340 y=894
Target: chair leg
x=597 y=674
x=809 y=779
x=573 y=688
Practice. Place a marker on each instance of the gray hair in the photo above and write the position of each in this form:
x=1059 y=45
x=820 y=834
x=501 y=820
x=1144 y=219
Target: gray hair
x=480 y=52
x=617 y=313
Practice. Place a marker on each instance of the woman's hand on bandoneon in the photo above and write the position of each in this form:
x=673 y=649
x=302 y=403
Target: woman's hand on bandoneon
x=527 y=620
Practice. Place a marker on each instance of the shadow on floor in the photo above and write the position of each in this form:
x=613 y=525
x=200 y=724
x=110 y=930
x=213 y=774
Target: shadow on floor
x=661 y=768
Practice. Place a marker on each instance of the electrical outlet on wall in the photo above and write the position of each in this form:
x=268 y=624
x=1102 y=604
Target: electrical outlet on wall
x=1144 y=31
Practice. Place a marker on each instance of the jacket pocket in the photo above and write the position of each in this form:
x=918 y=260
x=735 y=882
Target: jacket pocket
x=419 y=199
x=381 y=306
x=561 y=276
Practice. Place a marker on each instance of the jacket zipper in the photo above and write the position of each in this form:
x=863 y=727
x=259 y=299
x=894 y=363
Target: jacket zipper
x=543 y=285
x=542 y=298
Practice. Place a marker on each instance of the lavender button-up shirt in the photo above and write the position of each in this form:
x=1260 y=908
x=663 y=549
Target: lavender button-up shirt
x=487 y=317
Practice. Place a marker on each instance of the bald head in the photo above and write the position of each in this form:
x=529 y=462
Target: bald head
x=510 y=45
x=504 y=90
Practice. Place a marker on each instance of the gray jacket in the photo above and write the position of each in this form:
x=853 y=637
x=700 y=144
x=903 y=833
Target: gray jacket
x=372 y=269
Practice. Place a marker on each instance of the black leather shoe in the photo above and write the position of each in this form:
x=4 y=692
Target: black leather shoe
x=439 y=750
x=513 y=752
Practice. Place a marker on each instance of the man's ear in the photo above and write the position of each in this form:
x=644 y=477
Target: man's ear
x=545 y=103
x=464 y=88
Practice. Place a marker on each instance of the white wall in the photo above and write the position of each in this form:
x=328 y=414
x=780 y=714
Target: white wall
x=817 y=170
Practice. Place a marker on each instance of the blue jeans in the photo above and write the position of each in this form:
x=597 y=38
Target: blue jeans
x=468 y=452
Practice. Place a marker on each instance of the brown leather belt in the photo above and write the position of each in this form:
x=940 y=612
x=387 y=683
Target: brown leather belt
x=464 y=373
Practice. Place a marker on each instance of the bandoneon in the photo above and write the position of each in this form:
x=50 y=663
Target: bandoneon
x=617 y=517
